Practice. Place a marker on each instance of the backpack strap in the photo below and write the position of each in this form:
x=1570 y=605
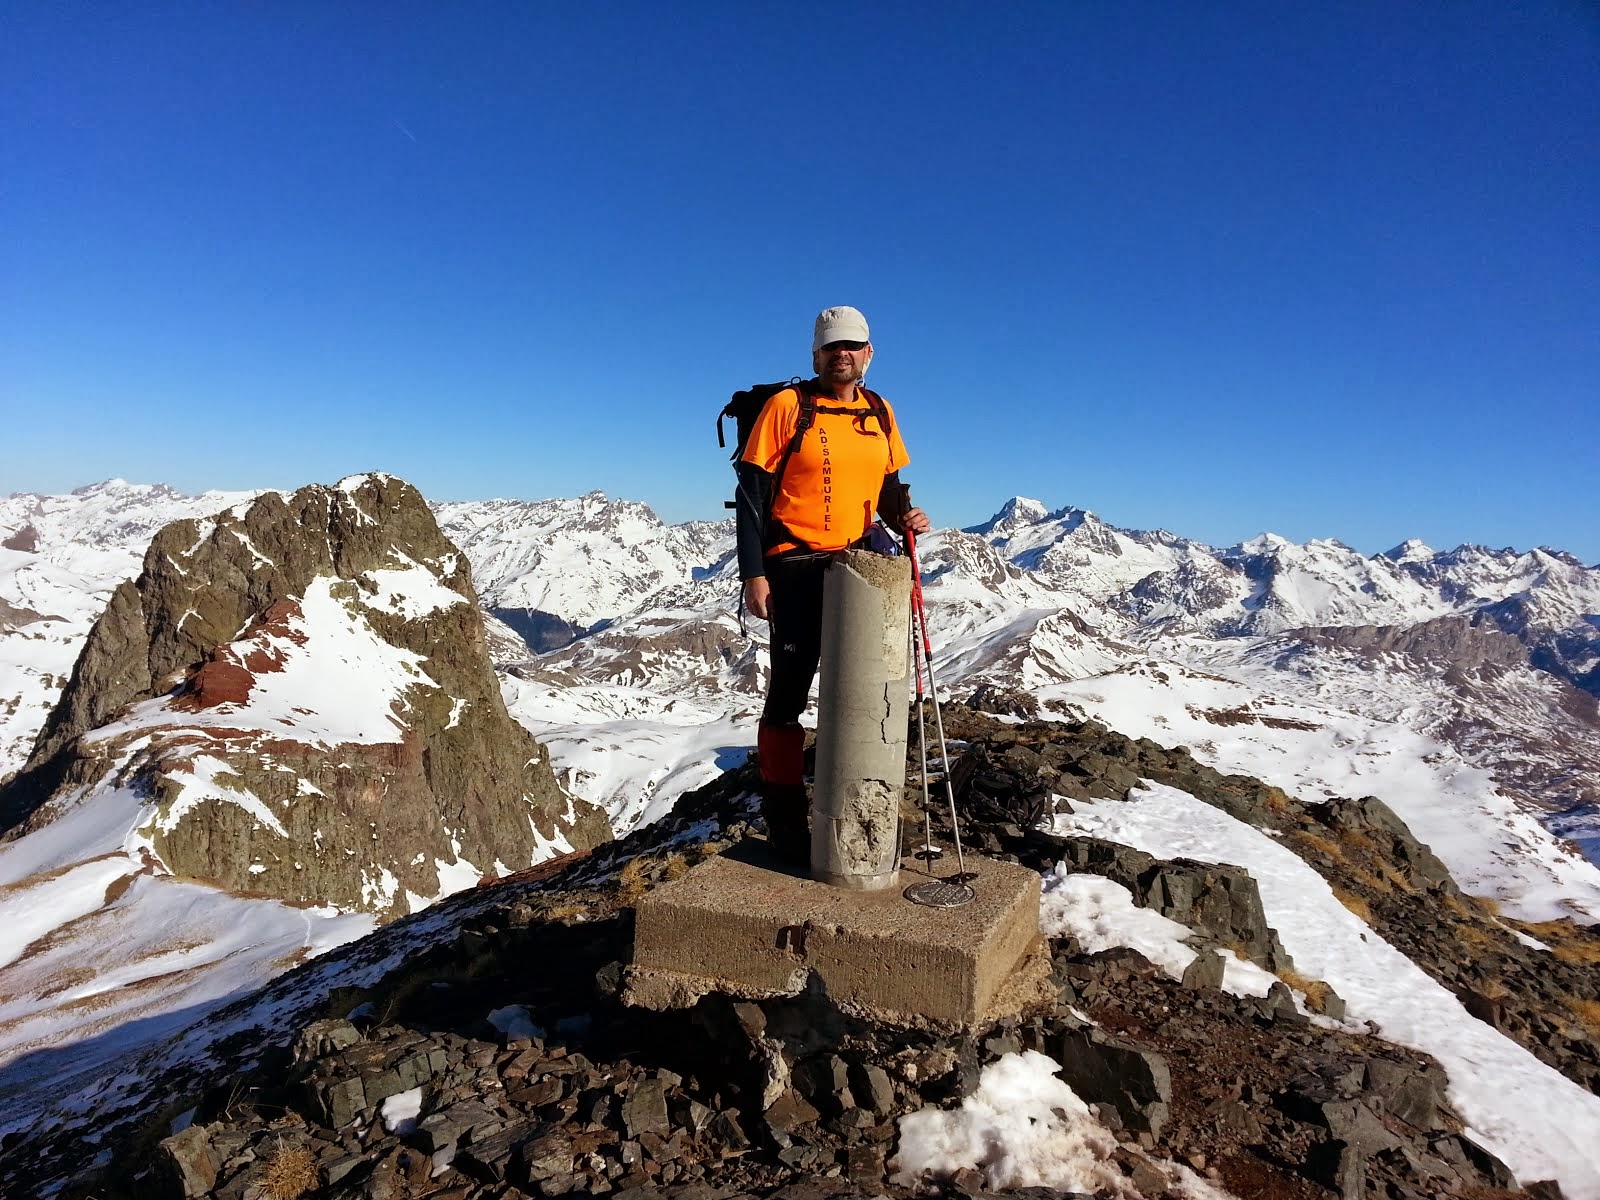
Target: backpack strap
x=875 y=408
x=775 y=531
x=803 y=422
x=879 y=409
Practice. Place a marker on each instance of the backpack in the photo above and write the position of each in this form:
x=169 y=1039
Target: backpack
x=746 y=406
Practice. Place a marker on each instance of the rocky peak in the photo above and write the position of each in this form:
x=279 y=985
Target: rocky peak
x=1016 y=513
x=295 y=698
x=1410 y=550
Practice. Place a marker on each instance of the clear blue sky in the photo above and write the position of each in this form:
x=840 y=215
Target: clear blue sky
x=1331 y=270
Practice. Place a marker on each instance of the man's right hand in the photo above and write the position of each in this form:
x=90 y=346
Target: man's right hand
x=756 y=593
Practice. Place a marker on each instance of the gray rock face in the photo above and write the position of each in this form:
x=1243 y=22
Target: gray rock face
x=1469 y=643
x=1216 y=900
x=224 y=687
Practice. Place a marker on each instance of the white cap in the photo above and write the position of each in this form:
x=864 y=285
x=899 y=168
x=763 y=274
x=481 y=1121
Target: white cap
x=840 y=324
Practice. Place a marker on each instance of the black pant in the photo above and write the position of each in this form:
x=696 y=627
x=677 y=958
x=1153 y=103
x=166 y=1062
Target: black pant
x=794 y=612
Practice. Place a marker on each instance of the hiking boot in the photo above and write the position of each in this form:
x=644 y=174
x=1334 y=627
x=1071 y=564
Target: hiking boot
x=785 y=807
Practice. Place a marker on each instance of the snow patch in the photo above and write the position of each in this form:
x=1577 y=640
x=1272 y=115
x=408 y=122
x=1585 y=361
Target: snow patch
x=1023 y=1127
x=399 y=1112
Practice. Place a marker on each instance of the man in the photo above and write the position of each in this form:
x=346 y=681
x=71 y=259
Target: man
x=845 y=469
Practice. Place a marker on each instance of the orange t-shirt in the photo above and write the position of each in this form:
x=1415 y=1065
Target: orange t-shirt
x=829 y=490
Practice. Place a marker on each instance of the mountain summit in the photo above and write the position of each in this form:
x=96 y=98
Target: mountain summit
x=295 y=699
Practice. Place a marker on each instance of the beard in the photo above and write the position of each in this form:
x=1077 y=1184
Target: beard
x=843 y=370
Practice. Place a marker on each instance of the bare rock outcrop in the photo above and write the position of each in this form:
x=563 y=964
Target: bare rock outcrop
x=295 y=698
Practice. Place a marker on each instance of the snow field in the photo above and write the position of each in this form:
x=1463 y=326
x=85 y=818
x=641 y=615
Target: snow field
x=43 y=904
x=1541 y=1124
x=627 y=750
x=111 y=978
x=1491 y=846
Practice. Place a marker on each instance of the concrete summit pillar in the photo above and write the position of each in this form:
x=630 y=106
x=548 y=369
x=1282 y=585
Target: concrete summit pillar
x=863 y=682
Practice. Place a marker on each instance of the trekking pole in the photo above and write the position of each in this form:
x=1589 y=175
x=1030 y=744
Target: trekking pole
x=922 y=749
x=919 y=610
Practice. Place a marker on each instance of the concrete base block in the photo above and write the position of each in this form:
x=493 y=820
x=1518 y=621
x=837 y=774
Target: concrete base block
x=740 y=925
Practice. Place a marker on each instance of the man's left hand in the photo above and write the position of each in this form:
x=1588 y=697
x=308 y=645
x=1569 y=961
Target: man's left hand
x=917 y=521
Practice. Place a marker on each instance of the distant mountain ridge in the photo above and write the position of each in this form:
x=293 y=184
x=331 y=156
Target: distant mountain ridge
x=597 y=608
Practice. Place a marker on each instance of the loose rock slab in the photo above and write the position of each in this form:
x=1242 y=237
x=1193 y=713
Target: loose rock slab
x=736 y=924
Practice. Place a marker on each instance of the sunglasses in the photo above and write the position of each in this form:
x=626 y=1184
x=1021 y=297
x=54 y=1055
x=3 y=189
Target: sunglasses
x=831 y=346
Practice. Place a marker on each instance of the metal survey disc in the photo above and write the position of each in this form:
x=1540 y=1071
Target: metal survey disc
x=941 y=893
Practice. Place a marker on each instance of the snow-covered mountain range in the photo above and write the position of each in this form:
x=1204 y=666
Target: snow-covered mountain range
x=1459 y=687
x=645 y=675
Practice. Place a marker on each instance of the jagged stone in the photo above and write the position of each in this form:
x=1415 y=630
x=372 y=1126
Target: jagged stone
x=865 y=1164
x=1206 y=972
x=870 y=1086
x=547 y=1157
x=1147 y=1178
x=825 y=1082
x=1137 y=1082
x=338 y=1101
x=321 y=1038
x=1355 y=1134
x=645 y=1109
x=1218 y=901
x=1413 y=1096
x=1474 y=1162
x=789 y=1112
x=1373 y=817
x=497 y=1158
x=444 y=1129
x=192 y=1164
x=537 y=1095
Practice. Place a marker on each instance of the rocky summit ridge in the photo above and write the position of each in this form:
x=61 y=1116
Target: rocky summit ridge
x=295 y=699
x=479 y=1051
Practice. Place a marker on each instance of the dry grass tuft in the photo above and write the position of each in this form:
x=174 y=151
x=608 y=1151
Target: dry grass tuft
x=1585 y=953
x=66 y=979
x=1494 y=988
x=1568 y=941
x=1472 y=908
x=291 y=1174
x=1358 y=840
x=1316 y=991
x=1324 y=846
x=1586 y=1012
x=1355 y=904
x=1475 y=933
x=633 y=881
x=676 y=867
x=1388 y=880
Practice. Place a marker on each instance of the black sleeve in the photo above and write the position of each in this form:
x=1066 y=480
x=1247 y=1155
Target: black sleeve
x=894 y=502
x=750 y=518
